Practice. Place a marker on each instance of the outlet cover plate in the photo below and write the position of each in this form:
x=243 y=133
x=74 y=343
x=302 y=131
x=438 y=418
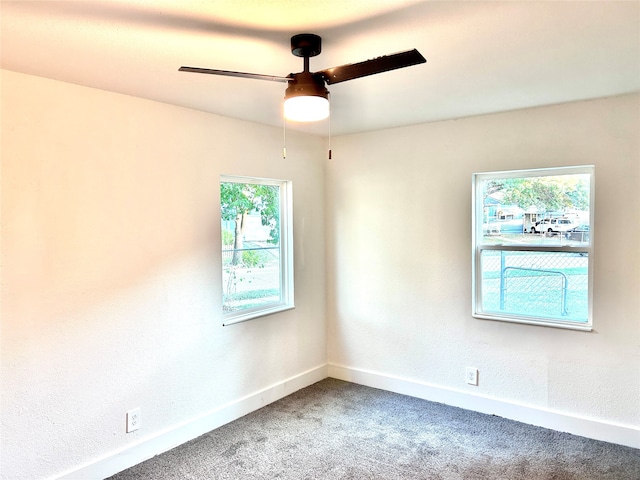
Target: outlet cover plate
x=133 y=420
x=471 y=376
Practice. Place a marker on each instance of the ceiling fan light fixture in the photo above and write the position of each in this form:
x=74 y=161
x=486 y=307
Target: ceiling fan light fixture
x=306 y=99
x=306 y=108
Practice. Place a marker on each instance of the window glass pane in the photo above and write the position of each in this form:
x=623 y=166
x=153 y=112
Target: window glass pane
x=548 y=285
x=535 y=210
x=251 y=247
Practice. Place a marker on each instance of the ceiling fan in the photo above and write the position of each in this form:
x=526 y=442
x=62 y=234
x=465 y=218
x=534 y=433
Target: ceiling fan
x=306 y=97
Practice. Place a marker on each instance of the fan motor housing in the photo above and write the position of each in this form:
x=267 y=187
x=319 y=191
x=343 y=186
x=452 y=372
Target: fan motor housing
x=306 y=45
x=306 y=84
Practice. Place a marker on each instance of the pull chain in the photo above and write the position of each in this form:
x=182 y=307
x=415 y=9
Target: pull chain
x=329 y=130
x=284 y=137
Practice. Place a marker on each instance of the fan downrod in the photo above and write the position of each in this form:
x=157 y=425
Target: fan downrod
x=306 y=45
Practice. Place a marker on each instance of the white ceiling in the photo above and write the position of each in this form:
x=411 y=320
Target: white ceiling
x=482 y=57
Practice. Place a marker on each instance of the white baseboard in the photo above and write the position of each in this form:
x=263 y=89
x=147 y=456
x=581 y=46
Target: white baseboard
x=160 y=442
x=178 y=434
x=560 y=421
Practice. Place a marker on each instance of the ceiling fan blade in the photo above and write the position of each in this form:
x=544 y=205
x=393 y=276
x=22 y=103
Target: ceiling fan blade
x=229 y=73
x=371 y=67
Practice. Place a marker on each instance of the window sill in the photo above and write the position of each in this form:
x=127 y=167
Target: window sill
x=243 y=316
x=536 y=321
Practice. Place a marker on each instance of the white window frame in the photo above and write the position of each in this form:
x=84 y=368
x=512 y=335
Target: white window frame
x=286 y=252
x=478 y=247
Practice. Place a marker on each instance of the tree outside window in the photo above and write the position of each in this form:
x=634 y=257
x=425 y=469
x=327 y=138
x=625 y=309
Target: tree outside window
x=256 y=248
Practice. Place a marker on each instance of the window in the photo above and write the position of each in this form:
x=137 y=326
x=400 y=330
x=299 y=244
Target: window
x=533 y=246
x=257 y=252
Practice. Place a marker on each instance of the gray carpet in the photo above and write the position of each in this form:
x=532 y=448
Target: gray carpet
x=339 y=430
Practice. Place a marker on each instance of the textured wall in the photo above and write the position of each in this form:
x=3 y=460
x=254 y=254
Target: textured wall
x=110 y=285
x=111 y=270
x=399 y=258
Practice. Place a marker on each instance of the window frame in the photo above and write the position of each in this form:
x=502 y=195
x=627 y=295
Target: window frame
x=286 y=279
x=478 y=246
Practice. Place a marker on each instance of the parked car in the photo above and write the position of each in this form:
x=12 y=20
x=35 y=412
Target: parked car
x=554 y=225
x=540 y=226
x=562 y=225
x=580 y=233
x=491 y=228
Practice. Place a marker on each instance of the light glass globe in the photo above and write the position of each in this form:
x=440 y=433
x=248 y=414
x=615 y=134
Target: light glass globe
x=306 y=108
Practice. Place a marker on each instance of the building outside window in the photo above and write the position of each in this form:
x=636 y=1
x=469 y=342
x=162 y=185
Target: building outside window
x=533 y=246
x=257 y=247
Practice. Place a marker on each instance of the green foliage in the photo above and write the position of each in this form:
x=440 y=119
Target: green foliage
x=260 y=297
x=233 y=200
x=269 y=208
x=237 y=199
x=227 y=237
x=251 y=258
x=551 y=193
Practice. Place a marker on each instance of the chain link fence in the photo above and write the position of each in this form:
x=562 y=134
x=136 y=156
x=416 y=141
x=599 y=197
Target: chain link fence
x=540 y=284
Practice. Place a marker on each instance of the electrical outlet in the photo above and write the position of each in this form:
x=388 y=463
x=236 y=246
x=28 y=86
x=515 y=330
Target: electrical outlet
x=471 y=376
x=133 y=420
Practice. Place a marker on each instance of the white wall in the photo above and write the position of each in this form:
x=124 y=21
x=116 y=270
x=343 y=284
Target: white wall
x=110 y=261
x=111 y=271
x=399 y=262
